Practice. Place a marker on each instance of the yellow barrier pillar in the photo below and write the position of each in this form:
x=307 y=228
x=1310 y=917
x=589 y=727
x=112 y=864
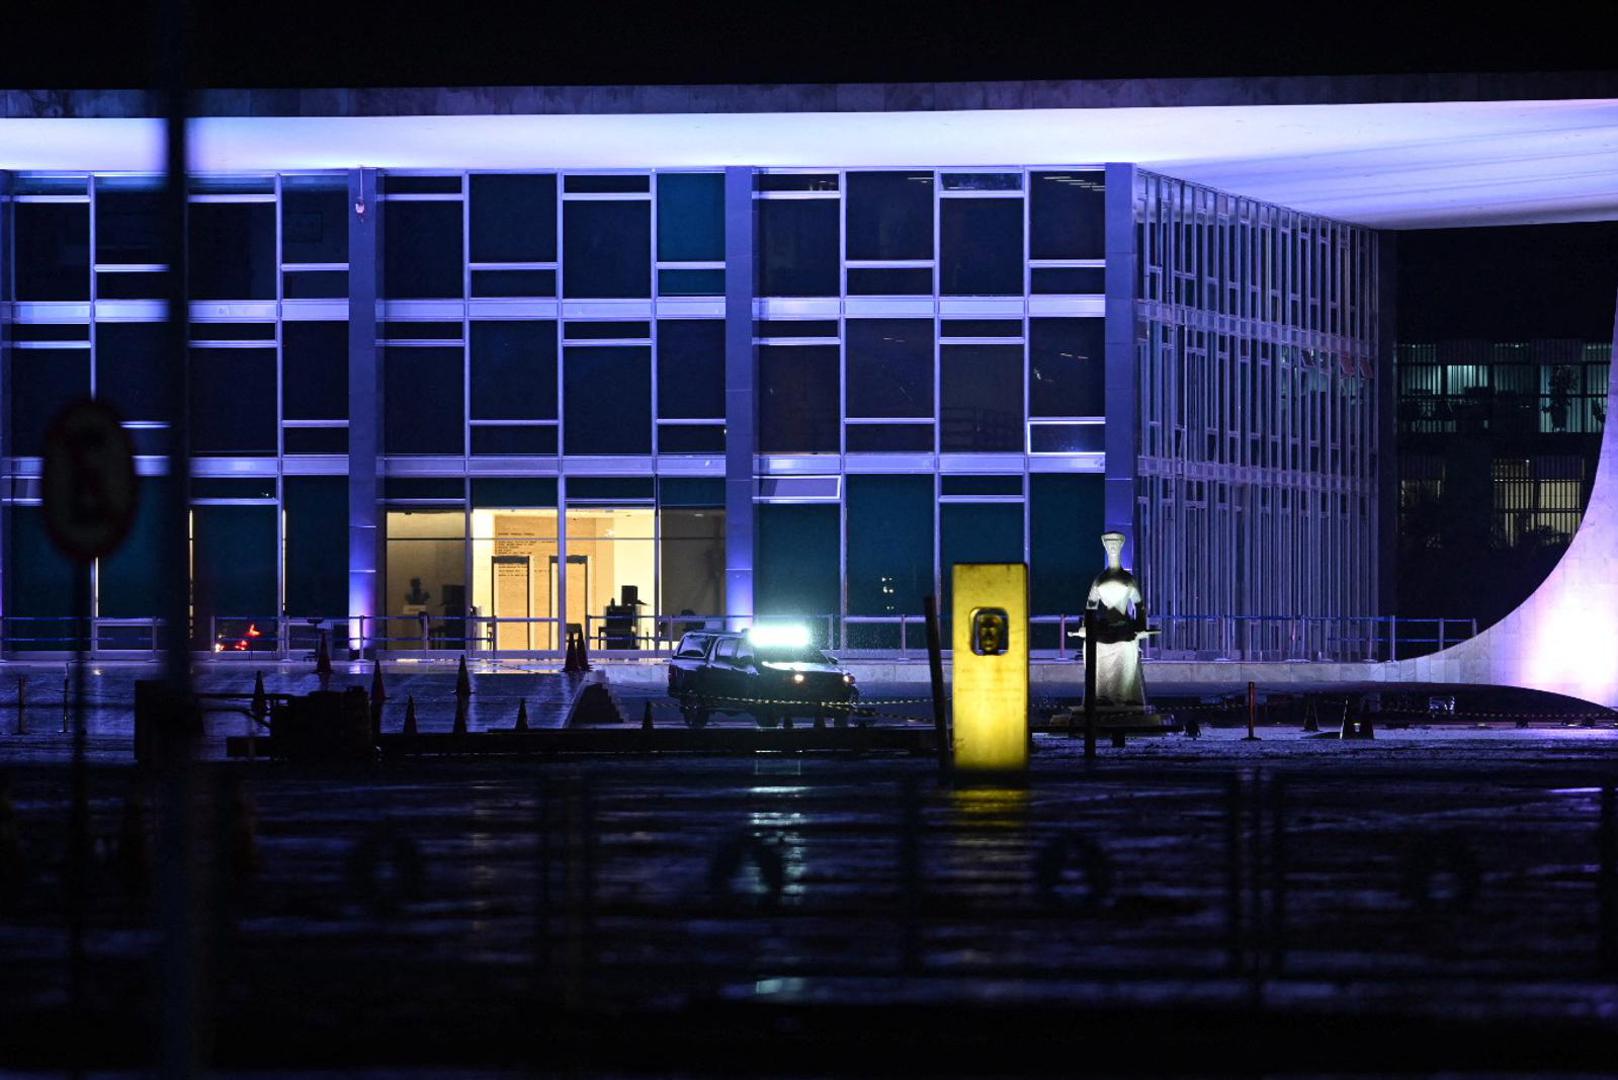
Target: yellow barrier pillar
x=989 y=635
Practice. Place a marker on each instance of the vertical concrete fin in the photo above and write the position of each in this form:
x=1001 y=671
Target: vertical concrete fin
x=364 y=404
x=741 y=376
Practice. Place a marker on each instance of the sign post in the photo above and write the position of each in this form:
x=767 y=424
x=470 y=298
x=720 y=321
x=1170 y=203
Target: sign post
x=89 y=489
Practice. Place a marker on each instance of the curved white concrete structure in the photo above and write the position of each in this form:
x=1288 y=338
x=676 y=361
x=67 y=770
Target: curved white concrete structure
x=1564 y=638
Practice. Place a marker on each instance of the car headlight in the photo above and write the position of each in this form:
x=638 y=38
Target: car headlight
x=797 y=677
x=849 y=679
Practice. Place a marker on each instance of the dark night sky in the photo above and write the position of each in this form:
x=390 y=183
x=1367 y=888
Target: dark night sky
x=1497 y=283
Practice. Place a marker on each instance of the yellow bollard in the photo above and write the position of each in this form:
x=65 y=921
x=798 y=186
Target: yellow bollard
x=989 y=635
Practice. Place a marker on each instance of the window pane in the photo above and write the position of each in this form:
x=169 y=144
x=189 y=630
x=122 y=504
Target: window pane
x=691 y=570
x=514 y=370
x=1067 y=219
x=690 y=438
x=690 y=369
x=129 y=225
x=314 y=220
x=798 y=398
x=890 y=281
x=1065 y=523
x=798 y=554
x=1065 y=367
x=126 y=588
x=981 y=391
x=233 y=408
x=129 y=368
x=890 y=367
x=980 y=247
x=691 y=283
x=890 y=215
x=890 y=544
x=513 y=218
x=233 y=560
x=315 y=370
x=529 y=440
x=423 y=409
x=40 y=592
x=52 y=251
x=1067 y=438
x=1069 y=280
x=514 y=283
x=977 y=533
x=316 y=568
x=314 y=285
x=608 y=400
x=889 y=438
x=422 y=250
x=608 y=249
x=798 y=247
x=42 y=382
x=232 y=248
x=691 y=217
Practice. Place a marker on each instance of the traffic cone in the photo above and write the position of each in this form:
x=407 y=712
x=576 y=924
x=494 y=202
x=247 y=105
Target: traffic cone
x=463 y=681
x=571 y=662
x=1311 y=720
x=1349 y=731
x=460 y=715
x=323 y=657
x=646 y=717
x=522 y=715
x=1367 y=726
x=379 y=693
x=410 y=715
x=584 y=653
x=260 y=708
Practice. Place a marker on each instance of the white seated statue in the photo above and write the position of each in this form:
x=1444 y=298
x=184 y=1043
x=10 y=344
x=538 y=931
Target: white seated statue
x=1120 y=622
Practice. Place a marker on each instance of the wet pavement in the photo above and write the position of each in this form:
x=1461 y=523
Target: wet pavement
x=1457 y=881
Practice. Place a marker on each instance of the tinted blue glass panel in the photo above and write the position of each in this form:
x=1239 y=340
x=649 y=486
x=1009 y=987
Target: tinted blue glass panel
x=423 y=405
x=314 y=220
x=607 y=400
x=42 y=382
x=1065 y=516
x=310 y=284
x=691 y=217
x=233 y=560
x=890 y=281
x=513 y=217
x=421 y=250
x=798 y=247
x=314 y=370
x=514 y=283
x=890 y=544
x=514 y=370
x=40 y=592
x=690 y=369
x=514 y=491
x=980 y=485
x=497 y=439
x=126 y=587
x=1068 y=280
x=980 y=247
x=233 y=407
x=1067 y=218
x=232 y=251
x=691 y=282
x=888 y=438
x=141 y=285
x=129 y=224
x=890 y=215
x=316 y=568
x=798 y=398
x=607 y=183
x=799 y=548
x=690 y=438
x=1066 y=366
x=1066 y=438
x=608 y=249
x=52 y=251
x=315 y=440
x=890 y=367
x=129 y=368
x=977 y=532
x=980 y=392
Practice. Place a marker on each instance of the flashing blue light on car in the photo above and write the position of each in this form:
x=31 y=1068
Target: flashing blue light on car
x=779 y=635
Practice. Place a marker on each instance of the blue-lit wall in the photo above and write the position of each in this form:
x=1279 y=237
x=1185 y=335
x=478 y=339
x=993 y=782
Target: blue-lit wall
x=927 y=354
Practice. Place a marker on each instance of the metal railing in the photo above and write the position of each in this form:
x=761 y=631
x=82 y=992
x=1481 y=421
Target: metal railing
x=888 y=637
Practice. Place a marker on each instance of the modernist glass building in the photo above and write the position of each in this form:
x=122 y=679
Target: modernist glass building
x=457 y=409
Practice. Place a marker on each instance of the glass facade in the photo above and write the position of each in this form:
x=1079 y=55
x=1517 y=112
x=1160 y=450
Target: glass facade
x=551 y=385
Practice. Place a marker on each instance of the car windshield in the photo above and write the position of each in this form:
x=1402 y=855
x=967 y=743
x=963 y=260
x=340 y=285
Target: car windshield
x=792 y=654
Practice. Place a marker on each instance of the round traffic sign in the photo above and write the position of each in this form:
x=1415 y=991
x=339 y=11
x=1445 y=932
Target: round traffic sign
x=88 y=484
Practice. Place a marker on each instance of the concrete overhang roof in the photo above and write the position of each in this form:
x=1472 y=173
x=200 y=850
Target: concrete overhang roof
x=1396 y=152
